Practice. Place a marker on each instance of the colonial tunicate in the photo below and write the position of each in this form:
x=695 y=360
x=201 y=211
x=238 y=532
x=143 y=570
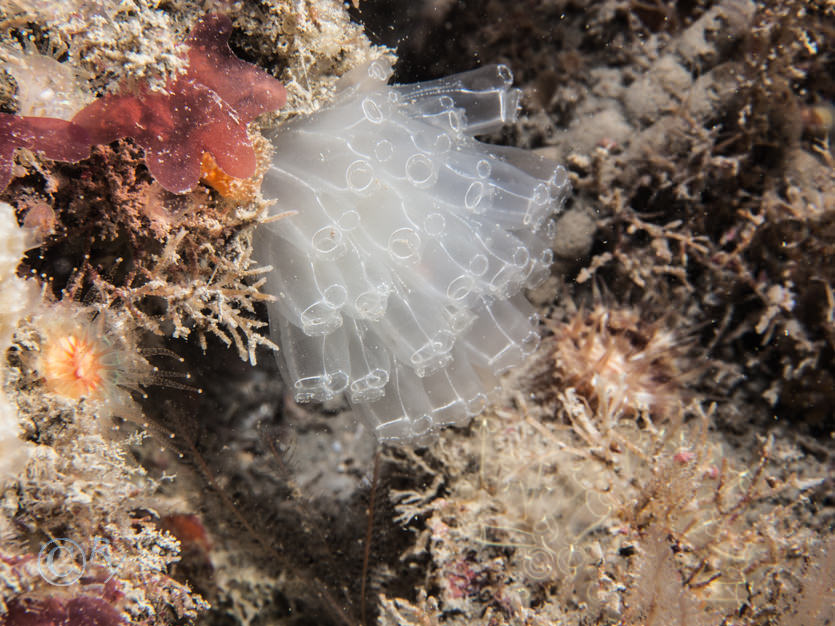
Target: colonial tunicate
x=398 y=279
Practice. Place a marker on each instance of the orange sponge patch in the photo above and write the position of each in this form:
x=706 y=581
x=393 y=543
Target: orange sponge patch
x=216 y=178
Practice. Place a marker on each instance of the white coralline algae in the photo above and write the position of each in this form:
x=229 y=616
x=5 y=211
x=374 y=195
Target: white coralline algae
x=398 y=279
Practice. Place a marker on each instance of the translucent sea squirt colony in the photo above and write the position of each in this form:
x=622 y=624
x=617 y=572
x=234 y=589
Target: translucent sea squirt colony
x=398 y=279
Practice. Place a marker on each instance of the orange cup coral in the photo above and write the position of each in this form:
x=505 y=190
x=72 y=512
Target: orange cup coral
x=73 y=366
x=91 y=355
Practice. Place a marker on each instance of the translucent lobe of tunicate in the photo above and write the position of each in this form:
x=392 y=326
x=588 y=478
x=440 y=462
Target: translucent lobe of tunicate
x=425 y=238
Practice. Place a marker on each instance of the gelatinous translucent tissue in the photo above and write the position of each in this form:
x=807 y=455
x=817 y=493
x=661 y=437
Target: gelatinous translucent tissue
x=398 y=280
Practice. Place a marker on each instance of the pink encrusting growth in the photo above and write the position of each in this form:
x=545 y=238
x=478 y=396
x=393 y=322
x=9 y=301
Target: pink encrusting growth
x=206 y=109
x=81 y=610
x=56 y=138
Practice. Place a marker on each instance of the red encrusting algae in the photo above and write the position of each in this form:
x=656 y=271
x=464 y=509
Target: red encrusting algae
x=56 y=138
x=206 y=109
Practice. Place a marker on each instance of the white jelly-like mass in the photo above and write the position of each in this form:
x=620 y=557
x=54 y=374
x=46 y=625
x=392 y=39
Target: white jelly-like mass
x=399 y=278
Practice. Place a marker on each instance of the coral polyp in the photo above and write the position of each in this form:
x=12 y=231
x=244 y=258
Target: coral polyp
x=73 y=367
x=620 y=363
x=90 y=355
